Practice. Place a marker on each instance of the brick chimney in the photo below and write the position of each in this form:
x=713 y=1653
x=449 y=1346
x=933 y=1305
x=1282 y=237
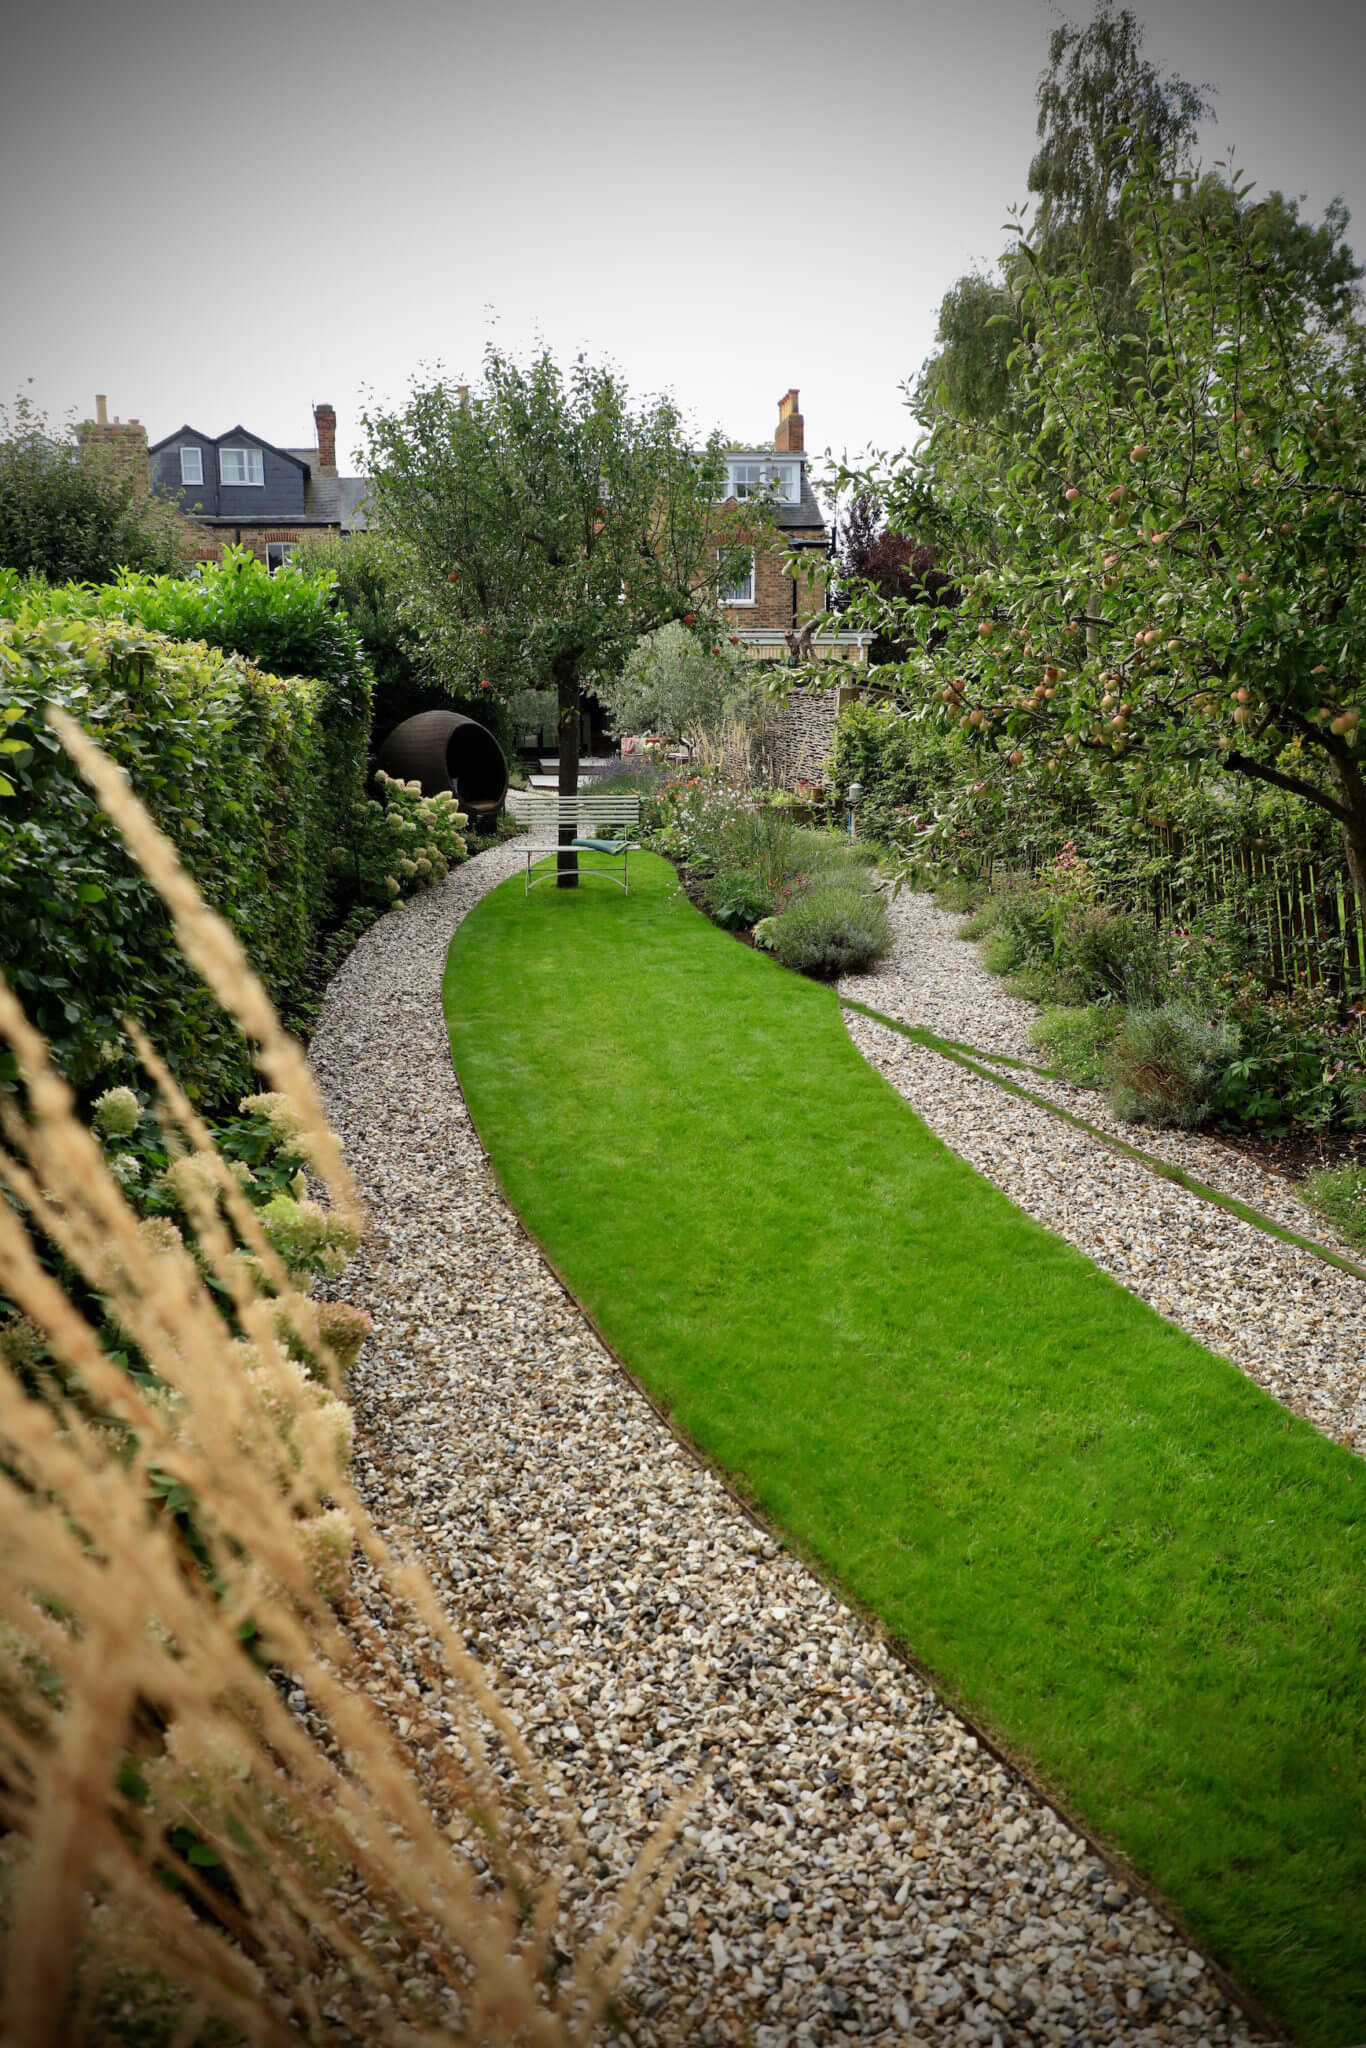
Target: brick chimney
x=325 y=420
x=117 y=446
x=790 y=438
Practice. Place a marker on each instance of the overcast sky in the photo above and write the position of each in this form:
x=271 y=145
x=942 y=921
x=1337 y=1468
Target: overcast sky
x=224 y=213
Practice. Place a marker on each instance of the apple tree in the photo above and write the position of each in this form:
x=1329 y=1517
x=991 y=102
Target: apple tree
x=1161 y=551
x=543 y=522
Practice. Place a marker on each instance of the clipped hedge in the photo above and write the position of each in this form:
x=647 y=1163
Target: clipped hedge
x=287 y=623
x=243 y=769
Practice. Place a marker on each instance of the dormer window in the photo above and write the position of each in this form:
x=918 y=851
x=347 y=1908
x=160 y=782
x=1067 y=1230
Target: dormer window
x=192 y=465
x=749 y=476
x=241 y=466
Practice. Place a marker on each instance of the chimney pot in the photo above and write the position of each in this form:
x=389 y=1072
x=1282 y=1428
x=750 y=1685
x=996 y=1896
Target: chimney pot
x=325 y=421
x=101 y=409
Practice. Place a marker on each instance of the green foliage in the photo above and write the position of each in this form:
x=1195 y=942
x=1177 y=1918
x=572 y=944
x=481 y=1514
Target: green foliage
x=679 y=685
x=833 y=927
x=542 y=523
x=970 y=895
x=1105 y=109
x=287 y=623
x=1077 y=1041
x=1339 y=1193
x=1073 y=946
x=809 y=895
x=366 y=576
x=231 y=762
x=736 y=898
x=904 y=766
x=1058 y=940
x=1160 y=575
x=532 y=711
x=976 y=334
x=1165 y=1064
x=1297 y=1061
x=265 y=1155
x=68 y=512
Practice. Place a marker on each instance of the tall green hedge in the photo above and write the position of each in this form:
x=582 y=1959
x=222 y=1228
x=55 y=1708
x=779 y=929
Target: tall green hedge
x=289 y=623
x=243 y=769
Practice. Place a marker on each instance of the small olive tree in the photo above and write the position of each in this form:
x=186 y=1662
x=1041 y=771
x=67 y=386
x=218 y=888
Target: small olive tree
x=678 y=685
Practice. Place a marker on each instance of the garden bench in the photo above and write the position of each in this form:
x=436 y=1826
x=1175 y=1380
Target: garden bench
x=593 y=822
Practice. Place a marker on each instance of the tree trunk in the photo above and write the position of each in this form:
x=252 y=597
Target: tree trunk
x=1350 y=791
x=567 y=692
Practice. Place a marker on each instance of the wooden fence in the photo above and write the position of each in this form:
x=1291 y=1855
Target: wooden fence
x=1307 y=926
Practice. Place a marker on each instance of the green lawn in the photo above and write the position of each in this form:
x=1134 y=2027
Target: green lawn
x=1126 y=1561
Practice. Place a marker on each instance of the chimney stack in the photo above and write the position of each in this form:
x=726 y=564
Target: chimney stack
x=114 y=446
x=325 y=420
x=790 y=438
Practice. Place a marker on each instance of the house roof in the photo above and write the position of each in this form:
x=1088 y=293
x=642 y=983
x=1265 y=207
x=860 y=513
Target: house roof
x=303 y=457
x=807 y=513
x=337 y=500
x=167 y=440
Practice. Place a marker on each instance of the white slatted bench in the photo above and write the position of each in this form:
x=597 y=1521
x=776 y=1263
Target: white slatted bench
x=598 y=824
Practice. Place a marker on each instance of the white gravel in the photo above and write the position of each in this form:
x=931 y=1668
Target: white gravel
x=1293 y=1323
x=858 y=1868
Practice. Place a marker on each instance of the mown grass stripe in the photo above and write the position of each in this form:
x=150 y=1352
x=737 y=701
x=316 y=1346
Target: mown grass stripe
x=1127 y=1561
x=974 y=1062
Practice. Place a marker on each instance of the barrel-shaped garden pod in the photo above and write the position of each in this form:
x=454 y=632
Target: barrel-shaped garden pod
x=445 y=750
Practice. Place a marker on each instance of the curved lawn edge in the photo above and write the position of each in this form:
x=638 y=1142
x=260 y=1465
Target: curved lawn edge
x=1125 y=1561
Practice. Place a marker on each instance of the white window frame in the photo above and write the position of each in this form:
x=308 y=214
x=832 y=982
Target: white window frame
x=192 y=466
x=286 y=549
x=751 y=476
x=252 y=458
x=728 y=597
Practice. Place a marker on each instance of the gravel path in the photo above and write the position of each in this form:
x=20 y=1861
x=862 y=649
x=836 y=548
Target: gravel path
x=858 y=1868
x=934 y=979
x=1294 y=1324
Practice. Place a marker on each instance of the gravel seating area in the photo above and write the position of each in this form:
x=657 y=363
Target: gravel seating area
x=858 y=1866
x=1293 y=1323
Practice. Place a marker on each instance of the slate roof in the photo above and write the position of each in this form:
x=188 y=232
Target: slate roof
x=806 y=514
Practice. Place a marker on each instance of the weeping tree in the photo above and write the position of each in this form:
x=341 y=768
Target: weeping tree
x=542 y=521
x=1104 y=109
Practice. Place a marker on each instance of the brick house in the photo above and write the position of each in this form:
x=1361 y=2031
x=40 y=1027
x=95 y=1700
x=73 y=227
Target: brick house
x=238 y=488
x=780 y=617
x=769 y=609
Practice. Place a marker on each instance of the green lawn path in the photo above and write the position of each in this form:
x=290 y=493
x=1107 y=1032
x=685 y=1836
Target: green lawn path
x=1126 y=1561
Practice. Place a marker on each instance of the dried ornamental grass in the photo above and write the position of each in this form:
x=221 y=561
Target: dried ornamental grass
x=177 y=1543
